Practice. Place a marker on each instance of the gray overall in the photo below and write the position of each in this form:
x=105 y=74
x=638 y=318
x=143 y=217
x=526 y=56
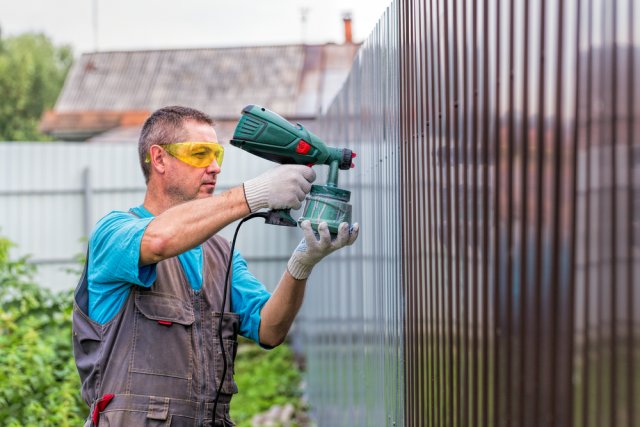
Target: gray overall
x=158 y=361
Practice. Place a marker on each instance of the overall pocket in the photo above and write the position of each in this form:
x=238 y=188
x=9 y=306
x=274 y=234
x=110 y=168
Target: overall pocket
x=163 y=345
x=229 y=385
x=87 y=339
x=121 y=418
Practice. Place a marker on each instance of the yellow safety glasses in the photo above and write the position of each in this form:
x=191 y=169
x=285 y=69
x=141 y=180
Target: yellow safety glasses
x=197 y=154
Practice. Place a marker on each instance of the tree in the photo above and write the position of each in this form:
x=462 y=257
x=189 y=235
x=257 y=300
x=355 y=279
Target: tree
x=32 y=72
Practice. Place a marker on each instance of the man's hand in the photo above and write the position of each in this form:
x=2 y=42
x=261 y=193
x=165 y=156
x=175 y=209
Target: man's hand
x=312 y=249
x=282 y=187
x=279 y=311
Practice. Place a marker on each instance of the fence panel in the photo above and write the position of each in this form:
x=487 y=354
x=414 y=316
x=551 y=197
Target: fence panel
x=351 y=325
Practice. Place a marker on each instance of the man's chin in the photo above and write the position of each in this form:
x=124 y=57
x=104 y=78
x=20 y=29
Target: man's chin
x=206 y=191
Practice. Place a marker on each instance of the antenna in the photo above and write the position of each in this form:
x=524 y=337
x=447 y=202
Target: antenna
x=304 y=11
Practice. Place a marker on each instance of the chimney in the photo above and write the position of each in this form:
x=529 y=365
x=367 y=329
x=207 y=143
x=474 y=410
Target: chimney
x=346 y=18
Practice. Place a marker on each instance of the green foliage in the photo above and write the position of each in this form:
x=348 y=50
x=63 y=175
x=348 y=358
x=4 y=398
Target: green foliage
x=265 y=379
x=39 y=384
x=32 y=72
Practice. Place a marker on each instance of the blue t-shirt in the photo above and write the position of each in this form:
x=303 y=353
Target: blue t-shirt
x=114 y=254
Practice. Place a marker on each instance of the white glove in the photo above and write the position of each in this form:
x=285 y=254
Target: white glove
x=282 y=187
x=311 y=249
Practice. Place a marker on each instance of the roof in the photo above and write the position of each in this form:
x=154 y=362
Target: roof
x=297 y=81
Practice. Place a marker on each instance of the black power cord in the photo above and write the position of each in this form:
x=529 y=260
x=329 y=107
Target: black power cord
x=264 y=215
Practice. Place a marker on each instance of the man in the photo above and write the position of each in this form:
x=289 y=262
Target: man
x=148 y=307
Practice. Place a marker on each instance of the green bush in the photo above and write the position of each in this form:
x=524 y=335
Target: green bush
x=39 y=383
x=265 y=378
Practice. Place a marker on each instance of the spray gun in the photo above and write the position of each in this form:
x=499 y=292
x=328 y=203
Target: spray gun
x=270 y=136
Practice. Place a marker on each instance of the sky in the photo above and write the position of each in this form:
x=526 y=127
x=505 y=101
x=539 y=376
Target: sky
x=166 y=24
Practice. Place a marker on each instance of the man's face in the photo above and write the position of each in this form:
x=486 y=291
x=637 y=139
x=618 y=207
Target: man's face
x=186 y=182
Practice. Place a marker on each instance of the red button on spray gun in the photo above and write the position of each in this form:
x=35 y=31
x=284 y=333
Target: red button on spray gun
x=303 y=147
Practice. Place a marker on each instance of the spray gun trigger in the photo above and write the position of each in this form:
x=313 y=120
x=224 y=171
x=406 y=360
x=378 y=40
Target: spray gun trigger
x=278 y=217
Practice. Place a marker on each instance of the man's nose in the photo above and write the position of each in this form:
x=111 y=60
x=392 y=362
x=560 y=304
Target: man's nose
x=214 y=167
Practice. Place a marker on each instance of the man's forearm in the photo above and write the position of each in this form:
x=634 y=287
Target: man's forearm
x=187 y=225
x=278 y=313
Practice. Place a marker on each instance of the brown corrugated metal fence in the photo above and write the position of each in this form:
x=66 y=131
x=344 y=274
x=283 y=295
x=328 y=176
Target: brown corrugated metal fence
x=514 y=152
x=521 y=274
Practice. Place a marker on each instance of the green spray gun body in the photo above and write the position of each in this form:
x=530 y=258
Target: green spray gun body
x=268 y=135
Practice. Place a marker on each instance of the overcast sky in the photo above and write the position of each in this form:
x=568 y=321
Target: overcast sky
x=161 y=24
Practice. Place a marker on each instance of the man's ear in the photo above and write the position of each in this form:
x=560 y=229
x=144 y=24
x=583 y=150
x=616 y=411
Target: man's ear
x=157 y=158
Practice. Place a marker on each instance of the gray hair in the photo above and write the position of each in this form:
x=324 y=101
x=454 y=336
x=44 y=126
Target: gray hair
x=165 y=126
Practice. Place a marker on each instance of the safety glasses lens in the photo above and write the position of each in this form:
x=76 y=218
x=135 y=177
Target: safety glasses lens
x=197 y=154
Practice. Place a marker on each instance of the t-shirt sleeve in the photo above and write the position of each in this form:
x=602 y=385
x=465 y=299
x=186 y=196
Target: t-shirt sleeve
x=248 y=296
x=114 y=255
